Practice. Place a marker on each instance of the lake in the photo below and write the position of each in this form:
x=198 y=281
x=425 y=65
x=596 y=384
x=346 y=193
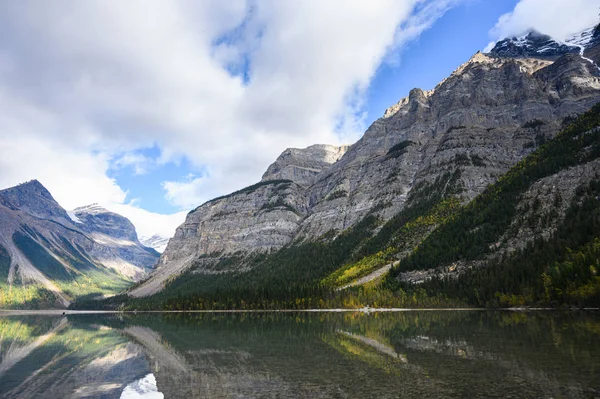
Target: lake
x=430 y=354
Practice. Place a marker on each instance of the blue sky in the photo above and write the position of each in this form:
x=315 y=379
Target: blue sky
x=451 y=41
x=153 y=107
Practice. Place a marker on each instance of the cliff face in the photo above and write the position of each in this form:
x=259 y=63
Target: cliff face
x=454 y=140
x=475 y=125
x=33 y=198
x=95 y=219
x=117 y=239
x=83 y=253
x=303 y=165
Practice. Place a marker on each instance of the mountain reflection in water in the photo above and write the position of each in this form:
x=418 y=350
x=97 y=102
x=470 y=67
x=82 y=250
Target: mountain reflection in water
x=441 y=354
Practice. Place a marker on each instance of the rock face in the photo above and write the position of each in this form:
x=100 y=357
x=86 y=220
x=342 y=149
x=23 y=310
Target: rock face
x=588 y=43
x=303 y=165
x=33 y=198
x=48 y=247
x=95 y=219
x=118 y=238
x=455 y=139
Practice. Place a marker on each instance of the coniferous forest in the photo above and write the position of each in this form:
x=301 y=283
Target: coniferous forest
x=434 y=231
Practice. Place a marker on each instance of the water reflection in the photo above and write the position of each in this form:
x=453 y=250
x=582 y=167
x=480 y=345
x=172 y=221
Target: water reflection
x=144 y=388
x=302 y=355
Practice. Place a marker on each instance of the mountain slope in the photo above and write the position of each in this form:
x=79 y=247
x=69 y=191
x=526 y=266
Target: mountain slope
x=49 y=260
x=447 y=143
x=537 y=231
x=532 y=238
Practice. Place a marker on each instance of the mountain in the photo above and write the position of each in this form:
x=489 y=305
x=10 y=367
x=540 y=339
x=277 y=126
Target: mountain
x=531 y=238
x=588 y=42
x=538 y=45
x=156 y=242
x=533 y=45
x=49 y=256
x=450 y=142
x=441 y=202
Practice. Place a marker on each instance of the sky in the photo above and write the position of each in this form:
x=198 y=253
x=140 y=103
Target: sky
x=151 y=108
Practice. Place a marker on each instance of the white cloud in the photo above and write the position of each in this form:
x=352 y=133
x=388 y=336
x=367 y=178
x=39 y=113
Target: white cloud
x=85 y=84
x=147 y=223
x=138 y=162
x=557 y=18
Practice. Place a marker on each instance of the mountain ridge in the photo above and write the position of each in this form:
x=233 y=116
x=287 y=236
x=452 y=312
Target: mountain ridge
x=50 y=259
x=436 y=143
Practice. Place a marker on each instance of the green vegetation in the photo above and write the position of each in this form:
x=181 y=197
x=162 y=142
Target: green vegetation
x=280 y=183
x=279 y=204
x=561 y=270
x=67 y=346
x=400 y=234
x=399 y=149
x=288 y=278
x=533 y=124
x=477 y=161
x=38 y=256
x=4 y=265
x=452 y=128
x=482 y=222
x=337 y=194
x=432 y=231
x=80 y=278
x=18 y=295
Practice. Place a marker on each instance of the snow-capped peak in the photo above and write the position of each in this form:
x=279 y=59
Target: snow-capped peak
x=533 y=44
x=581 y=39
x=157 y=242
x=92 y=209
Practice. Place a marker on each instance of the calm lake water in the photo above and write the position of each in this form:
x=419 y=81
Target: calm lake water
x=431 y=354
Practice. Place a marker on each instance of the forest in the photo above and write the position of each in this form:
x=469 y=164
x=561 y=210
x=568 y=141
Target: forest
x=433 y=231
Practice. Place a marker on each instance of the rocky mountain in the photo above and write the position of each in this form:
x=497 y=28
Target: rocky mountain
x=302 y=165
x=450 y=142
x=49 y=255
x=158 y=243
x=97 y=220
x=533 y=45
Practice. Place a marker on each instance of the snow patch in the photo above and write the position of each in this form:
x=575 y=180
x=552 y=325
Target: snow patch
x=143 y=388
x=74 y=217
x=582 y=38
x=157 y=242
x=92 y=209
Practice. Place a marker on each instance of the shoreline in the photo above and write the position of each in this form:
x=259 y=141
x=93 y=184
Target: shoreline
x=64 y=312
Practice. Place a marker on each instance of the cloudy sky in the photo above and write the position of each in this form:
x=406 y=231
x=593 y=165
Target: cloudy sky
x=153 y=107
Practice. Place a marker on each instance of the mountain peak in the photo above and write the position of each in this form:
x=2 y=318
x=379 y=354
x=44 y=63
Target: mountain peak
x=97 y=219
x=301 y=165
x=533 y=44
x=33 y=185
x=91 y=209
x=32 y=197
x=585 y=38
